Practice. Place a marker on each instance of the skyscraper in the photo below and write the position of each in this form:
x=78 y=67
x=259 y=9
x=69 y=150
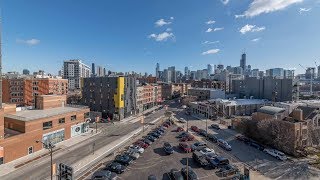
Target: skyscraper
x=93 y=70
x=209 y=68
x=157 y=70
x=25 y=72
x=243 y=61
x=172 y=71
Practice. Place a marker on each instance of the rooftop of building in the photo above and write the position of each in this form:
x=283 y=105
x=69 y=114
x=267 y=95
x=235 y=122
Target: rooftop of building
x=236 y=102
x=34 y=114
x=271 y=110
x=206 y=89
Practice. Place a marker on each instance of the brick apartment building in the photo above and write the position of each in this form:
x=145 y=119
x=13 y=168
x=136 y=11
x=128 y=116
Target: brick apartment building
x=22 y=90
x=207 y=83
x=51 y=121
x=174 y=90
x=148 y=96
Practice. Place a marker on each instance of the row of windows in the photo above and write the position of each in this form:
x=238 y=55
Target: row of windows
x=16 y=94
x=48 y=124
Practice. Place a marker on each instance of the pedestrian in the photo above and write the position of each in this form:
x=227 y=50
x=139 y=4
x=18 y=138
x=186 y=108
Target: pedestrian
x=91 y=131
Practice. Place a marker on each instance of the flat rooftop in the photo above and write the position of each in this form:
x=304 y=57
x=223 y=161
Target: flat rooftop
x=34 y=114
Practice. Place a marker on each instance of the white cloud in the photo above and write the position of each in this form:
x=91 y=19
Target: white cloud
x=251 y=28
x=210 y=22
x=302 y=10
x=215 y=29
x=30 y=42
x=211 y=51
x=162 y=22
x=225 y=2
x=172 y=18
x=210 y=42
x=256 y=40
x=162 y=36
x=258 y=7
x=218 y=29
x=169 y=29
x=209 y=30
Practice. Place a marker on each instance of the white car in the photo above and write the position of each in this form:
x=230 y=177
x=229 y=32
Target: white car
x=182 y=120
x=277 y=154
x=198 y=145
x=137 y=148
x=205 y=151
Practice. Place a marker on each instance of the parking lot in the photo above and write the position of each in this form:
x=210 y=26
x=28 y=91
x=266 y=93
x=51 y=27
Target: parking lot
x=154 y=161
x=251 y=157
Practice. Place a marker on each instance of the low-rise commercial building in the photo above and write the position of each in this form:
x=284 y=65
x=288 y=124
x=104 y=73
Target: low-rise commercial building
x=52 y=120
x=206 y=93
x=114 y=96
x=223 y=107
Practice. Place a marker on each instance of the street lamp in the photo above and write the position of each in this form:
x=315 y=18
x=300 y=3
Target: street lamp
x=49 y=146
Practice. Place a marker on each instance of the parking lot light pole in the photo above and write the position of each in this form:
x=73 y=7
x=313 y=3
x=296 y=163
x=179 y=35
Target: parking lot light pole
x=206 y=128
x=50 y=147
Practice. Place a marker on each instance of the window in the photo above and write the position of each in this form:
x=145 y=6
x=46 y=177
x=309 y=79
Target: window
x=62 y=120
x=47 y=125
x=74 y=117
x=30 y=150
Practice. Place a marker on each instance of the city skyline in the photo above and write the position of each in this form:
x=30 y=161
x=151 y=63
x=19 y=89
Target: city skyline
x=220 y=32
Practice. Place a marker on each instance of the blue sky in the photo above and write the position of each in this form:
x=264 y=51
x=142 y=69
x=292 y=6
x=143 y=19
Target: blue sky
x=126 y=35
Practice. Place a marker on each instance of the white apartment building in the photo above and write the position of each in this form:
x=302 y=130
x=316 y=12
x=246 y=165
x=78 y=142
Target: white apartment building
x=74 y=70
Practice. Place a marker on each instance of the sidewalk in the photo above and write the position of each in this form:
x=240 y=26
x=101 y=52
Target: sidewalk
x=60 y=147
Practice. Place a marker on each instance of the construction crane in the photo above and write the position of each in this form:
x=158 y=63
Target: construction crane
x=311 y=78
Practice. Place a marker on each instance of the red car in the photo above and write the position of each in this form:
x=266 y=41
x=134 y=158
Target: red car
x=180 y=129
x=187 y=138
x=195 y=128
x=185 y=147
x=165 y=125
x=141 y=144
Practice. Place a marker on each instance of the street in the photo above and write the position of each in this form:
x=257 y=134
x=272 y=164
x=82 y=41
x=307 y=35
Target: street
x=40 y=169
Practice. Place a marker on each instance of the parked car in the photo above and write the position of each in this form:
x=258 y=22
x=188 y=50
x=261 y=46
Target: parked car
x=104 y=175
x=168 y=148
x=154 y=134
x=195 y=128
x=151 y=138
x=277 y=154
x=227 y=170
x=179 y=129
x=132 y=153
x=181 y=120
x=115 y=167
x=185 y=147
x=218 y=162
x=165 y=125
x=212 y=138
x=198 y=146
x=241 y=137
x=211 y=156
x=206 y=150
x=137 y=148
x=257 y=145
x=215 y=126
x=202 y=132
x=152 y=177
x=175 y=174
x=191 y=174
x=200 y=158
x=181 y=135
x=147 y=141
x=124 y=159
x=224 y=144
x=141 y=144
x=187 y=138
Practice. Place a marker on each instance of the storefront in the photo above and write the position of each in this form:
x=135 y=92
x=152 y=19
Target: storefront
x=79 y=129
x=54 y=137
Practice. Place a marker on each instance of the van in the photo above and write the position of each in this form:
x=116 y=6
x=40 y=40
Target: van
x=218 y=162
x=200 y=158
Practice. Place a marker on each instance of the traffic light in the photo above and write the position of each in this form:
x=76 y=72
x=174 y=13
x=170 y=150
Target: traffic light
x=65 y=172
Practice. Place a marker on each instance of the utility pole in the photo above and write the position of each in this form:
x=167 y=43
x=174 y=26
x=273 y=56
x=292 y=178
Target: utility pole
x=49 y=146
